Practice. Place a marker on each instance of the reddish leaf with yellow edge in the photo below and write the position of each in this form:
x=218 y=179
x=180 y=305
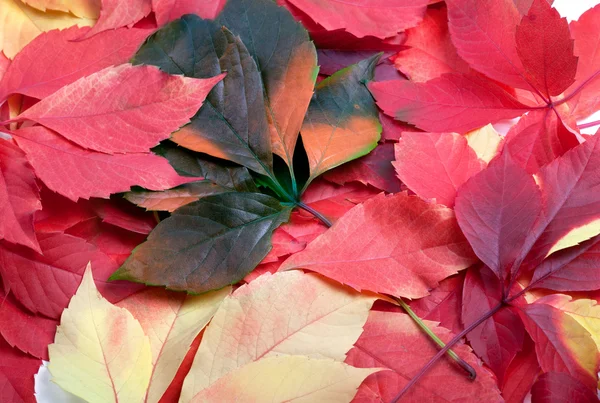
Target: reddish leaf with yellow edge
x=398 y=244
x=392 y=340
x=90 y=173
x=19 y=196
x=54 y=59
x=172 y=321
x=431 y=52
x=121 y=109
x=287 y=314
x=435 y=165
x=100 y=352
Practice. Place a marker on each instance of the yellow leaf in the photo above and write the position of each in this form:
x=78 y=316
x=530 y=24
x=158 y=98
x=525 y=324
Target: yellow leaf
x=20 y=24
x=485 y=142
x=287 y=378
x=172 y=321
x=288 y=313
x=81 y=8
x=100 y=352
x=585 y=311
x=576 y=236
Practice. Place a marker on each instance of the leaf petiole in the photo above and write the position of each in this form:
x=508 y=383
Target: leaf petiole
x=462 y=363
x=315 y=213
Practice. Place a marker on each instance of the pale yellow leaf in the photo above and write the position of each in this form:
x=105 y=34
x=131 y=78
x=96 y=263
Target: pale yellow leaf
x=20 y=24
x=172 y=321
x=296 y=379
x=100 y=352
x=576 y=236
x=485 y=142
x=288 y=313
x=81 y=8
x=585 y=311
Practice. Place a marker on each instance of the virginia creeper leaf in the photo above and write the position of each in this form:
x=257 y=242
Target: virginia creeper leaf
x=521 y=374
x=232 y=124
x=290 y=314
x=451 y=102
x=170 y=200
x=100 y=352
x=561 y=387
x=435 y=165
x=24 y=23
x=341 y=123
x=169 y=10
x=91 y=174
x=277 y=379
x=45 y=283
x=81 y=8
x=19 y=196
x=287 y=65
x=431 y=52
x=121 y=109
x=393 y=340
x=378 y=18
x=545 y=48
x=171 y=321
x=16 y=374
x=405 y=244
x=54 y=59
x=117 y=14
x=486 y=142
x=208 y=244
x=497 y=210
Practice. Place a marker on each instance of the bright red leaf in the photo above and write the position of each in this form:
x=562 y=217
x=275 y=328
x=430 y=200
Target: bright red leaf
x=116 y=14
x=16 y=375
x=521 y=374
x=169 y=10
x=553 y=387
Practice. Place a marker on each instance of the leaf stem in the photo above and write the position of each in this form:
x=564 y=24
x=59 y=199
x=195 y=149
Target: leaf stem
x=315 y=213
x=463 y=364
x=589 y=124
x=443 y=351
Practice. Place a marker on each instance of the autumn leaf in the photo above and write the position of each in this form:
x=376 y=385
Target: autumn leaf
x=393 y=236
x=100 y=352
x=16 y=374
x=169 y=10
x=116 y=14
x=138 y=119
x=553 y=386
x=285 y=314
x=208 y=244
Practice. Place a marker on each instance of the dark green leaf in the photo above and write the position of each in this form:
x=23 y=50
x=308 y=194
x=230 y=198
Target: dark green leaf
x=232 y=124
x=208 y=244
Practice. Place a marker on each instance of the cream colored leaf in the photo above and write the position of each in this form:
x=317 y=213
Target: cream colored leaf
x=20 y=24
x=100 y=352
x=296 y=379
x=172 y=321
x=485 y=142
x=81 y=8
x=585 y=311
x=289 y=313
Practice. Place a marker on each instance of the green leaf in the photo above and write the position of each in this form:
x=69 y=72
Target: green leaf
x=232 y=123
x=342 y=122
x=286 y=60
x=208 y=244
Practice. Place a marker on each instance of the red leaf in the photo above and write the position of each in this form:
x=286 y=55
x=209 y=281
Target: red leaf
x=538 y=139
x=122 y=109
x=521 y=373
x=117 y=13
x=498 y=339
x=561 y=344
x=77 y=173
x=373 y=169
x=19 y=196
x=443 y=304
x=169 y=10
x=16 y=375
x=124 y=215
x=483 y=32
x=497 y=209
x=59 y=213
x=556 y=387
x=587 y=41
x=393 y=129
x=29 y=333
x=4 y=64
x=435 y=165
x=54 y=59
x=396 y=244
x=451 y=102
x=378 y=18
x=394 y=341
x=45 y=284
x=545 y=48
x=431 y=52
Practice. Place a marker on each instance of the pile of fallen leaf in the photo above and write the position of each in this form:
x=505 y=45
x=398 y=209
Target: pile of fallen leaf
x=298 y=200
